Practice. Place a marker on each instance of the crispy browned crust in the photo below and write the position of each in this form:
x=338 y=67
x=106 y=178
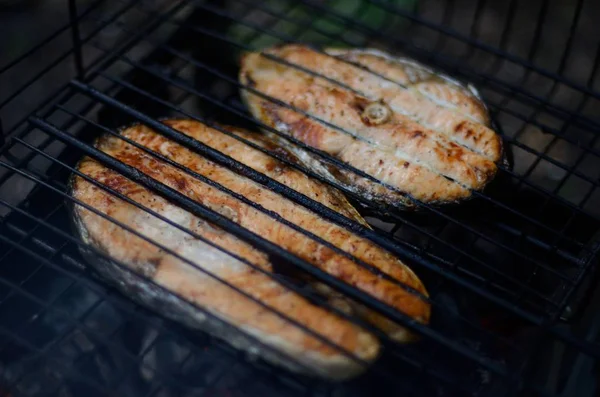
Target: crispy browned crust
x=428 y=137
x=179 y=277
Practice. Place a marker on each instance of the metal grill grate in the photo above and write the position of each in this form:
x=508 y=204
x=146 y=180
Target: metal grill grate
x=507 y=272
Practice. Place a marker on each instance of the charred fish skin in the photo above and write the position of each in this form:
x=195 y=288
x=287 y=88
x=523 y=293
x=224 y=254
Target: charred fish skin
x=172 y=274
x=419 y=135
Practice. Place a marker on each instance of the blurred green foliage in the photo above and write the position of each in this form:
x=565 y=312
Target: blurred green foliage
x=303 y=23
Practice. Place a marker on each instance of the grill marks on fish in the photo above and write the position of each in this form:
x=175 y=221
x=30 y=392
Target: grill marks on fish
x=415 y=77
x=419 y=180
x=181 y=278
x=442 y=139
x=423 y=97
x=432 y=160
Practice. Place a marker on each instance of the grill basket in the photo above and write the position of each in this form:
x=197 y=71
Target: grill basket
x=511 y=273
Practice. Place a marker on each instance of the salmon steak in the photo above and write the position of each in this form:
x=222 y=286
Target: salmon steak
x=177 y=261
x=399 y=132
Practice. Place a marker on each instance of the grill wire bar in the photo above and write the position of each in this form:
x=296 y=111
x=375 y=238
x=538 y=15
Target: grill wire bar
x=76 y=37
x=450 y=264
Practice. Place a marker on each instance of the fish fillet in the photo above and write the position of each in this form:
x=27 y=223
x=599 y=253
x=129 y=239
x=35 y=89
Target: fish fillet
x=180 y=277
x=421 y=134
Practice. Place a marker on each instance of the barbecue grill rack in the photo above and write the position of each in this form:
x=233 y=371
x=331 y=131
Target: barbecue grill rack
x=510 y=273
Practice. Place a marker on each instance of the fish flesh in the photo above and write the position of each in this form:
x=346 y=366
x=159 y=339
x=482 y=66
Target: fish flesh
x=404 y=132
x=178 y=276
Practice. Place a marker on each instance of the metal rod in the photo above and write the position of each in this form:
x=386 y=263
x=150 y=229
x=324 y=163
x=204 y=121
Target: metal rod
x=76 y=38
x=2 y=137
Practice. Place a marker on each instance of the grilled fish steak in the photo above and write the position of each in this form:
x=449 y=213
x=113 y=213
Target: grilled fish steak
x=180 y=277
x=422 y=134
